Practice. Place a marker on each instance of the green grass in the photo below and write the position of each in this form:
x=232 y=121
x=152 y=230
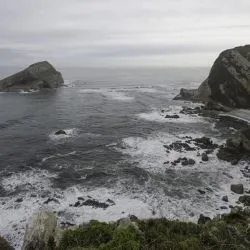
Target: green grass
x=230 y=233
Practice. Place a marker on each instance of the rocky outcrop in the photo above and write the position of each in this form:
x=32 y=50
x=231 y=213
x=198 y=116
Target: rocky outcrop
x=228 y=82
x=236 y=147
x=200 y=94
x=37 y=76
x=40 y=231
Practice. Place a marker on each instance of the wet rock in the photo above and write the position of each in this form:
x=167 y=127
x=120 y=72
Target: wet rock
x=225 y=198
x=95 y=204
x=223 y=207
x=236 y=147
x=203 y=219
x=184 y=161
x=187 y=162
x=237 y=188
x=201 y=191
x=204 y=143
x=51 y=200
x=111 y=202
x=19 y=200
x=172 y=116
x=204 y=157
x=133 y=218
x=245 y=199
x=80 y=198
x=60 y=132
x=179 y=146
x=77 y=204
x=4 y=245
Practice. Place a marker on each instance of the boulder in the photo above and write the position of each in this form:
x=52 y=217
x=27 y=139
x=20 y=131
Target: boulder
x=245 y=199
x=40 y=231
x=228 y=83
x=236 y=147
x=203 y=219
x=237 y=188
x=60 y=132
x=37 y=76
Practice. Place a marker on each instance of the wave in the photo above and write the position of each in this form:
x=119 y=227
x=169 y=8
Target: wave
x=112 y=94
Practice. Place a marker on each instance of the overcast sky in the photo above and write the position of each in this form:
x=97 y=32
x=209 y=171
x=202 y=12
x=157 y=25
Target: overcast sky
x=121 y=32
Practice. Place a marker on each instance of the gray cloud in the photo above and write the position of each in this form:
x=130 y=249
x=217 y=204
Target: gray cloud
x=115 y=32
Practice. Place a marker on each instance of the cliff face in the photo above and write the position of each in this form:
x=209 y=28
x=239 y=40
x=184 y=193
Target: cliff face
x=36 y=76
x=229 y=78
x=228 y=82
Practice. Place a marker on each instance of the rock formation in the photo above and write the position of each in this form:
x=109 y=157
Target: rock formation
x=37 y=76
x=228 y=82
x=236 y=147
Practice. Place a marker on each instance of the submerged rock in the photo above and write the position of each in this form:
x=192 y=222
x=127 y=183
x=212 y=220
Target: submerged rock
x=40 y=231
x=37 y=76
x=237 y=188
x=60 y=132
x=204 y=157
x=172 y=116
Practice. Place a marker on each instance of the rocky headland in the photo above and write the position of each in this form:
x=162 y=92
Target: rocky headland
x=41 y=75
x=228 y=83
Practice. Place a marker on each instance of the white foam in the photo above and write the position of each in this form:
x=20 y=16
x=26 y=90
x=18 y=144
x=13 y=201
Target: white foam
x=158 y=116
x=14 y=215
x=30 y=91
x=112 y=94
x=58 y=156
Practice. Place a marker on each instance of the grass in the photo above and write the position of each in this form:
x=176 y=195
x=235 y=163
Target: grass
x=229 y=232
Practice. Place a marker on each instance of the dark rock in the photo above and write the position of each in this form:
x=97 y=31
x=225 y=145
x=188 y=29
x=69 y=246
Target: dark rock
x=225 y=198
x=237 y=188
x=201 y=191
x=77 y=204
x=172 y=116
x=228 y=82
x=223 y=207
x=4 y=244
x=179 y=146
x=133 y=218
x=37 y=76
x=80 y=198
x=51 y=200
x=110 y=202
x=204 y=157
x=184 y=161
x=200 y=94
x=245 y=199
x=19 y=200
x=60 y=132
x=236 y=147
x=229 y=78
x=95 y=204
x=204 y=143
x=203 y=219
x=187 y=162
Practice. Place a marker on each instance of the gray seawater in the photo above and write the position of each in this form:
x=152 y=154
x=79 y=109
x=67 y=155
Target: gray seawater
x=114 y=149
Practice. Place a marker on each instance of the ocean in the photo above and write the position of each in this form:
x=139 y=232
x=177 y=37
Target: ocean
x=113 y=153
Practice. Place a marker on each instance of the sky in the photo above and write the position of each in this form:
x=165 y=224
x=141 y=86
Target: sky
x=117 y=33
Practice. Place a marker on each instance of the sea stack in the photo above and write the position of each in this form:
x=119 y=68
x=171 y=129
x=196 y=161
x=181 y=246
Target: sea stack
x=228 y=82
x=37 y=76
